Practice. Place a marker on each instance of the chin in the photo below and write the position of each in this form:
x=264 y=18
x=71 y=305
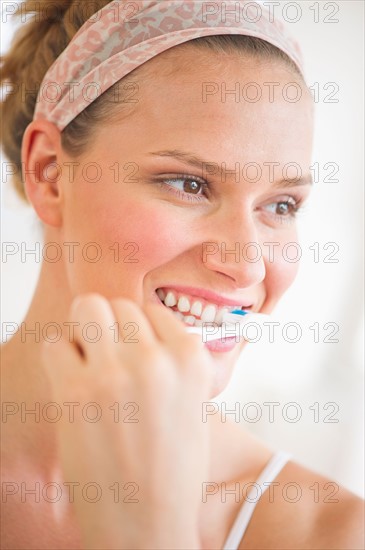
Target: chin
x=222 y=371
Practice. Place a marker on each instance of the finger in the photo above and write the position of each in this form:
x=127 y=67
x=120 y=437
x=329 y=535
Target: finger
x=60 y=360
x=191 y=358
x=171 y=330
x=93 y=330
x=134 y=326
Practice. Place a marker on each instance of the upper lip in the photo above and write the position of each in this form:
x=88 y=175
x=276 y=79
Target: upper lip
x=210 y=296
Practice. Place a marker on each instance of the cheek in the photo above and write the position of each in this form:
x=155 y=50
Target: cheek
x=134 y=235
x=152 y=229
x=281 y=272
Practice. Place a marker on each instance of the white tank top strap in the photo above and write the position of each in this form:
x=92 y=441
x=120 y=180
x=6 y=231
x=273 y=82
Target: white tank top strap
x=268 y=474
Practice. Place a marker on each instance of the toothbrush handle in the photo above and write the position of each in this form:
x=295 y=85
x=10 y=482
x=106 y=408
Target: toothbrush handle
x=204 y=334
x=259 y=318
x=210 y=332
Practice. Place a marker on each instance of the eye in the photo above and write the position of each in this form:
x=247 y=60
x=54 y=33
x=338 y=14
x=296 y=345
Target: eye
x=186 y=187
x=187 y=184
x=285 y=208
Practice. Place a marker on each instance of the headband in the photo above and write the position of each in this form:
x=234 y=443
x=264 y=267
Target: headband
x=124 y=34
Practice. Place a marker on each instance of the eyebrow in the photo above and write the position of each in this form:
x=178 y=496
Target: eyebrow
x=197 y=162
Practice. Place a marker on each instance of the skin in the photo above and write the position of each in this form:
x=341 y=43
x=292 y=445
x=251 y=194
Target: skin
x=168 y=372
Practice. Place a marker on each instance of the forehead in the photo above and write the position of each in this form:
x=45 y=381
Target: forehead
x=231 y=103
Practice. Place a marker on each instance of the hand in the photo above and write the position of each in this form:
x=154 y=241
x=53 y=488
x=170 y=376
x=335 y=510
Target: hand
x=158 y=445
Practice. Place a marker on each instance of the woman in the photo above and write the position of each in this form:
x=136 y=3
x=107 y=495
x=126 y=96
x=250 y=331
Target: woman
x=136 y=157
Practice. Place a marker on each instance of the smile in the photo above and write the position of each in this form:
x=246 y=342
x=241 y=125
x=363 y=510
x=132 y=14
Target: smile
x=195 y=310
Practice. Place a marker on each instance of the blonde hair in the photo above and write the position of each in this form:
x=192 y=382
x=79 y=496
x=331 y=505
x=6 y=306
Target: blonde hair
x=38 y=43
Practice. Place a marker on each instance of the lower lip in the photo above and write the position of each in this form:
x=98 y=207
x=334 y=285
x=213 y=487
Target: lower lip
x=221 y=345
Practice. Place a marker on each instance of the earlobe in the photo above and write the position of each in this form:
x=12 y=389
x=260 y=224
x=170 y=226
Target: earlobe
x=41 y=151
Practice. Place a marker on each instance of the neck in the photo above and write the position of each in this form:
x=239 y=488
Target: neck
x=24 y=382
x=48 y=308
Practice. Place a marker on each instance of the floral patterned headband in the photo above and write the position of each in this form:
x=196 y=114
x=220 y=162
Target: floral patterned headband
x=123 y=35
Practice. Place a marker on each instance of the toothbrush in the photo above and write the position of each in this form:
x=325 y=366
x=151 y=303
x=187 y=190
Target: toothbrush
x=232 y=322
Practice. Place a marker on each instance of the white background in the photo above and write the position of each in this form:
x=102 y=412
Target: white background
x=304 y=372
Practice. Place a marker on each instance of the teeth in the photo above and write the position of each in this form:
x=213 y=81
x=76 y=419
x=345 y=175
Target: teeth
x=208 y=314
x=196 y=309
x=183 y=304
x=161 y=294
x=178 y=315
x=189 y=319
x=219 y=316
x=170 y=300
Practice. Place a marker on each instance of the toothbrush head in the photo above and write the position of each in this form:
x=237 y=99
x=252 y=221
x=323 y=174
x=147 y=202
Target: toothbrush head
x=239 y=312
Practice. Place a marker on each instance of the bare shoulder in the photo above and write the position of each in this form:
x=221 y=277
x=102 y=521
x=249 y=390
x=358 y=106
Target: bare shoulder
x=303 y=510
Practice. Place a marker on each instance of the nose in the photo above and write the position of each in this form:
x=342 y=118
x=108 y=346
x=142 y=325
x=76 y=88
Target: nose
x=233 y=248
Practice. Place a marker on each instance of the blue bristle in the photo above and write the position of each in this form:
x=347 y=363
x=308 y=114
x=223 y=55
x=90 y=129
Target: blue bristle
x=239 y=312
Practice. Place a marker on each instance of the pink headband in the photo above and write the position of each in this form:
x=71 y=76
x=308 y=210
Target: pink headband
x=123 y=35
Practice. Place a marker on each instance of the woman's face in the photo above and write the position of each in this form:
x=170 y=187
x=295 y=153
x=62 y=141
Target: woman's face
x=162 y=221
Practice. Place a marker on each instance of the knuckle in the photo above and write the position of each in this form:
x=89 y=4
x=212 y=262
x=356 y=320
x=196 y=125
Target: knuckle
x=52 y=351
x=157 y=358
x=78 y=391
x=98 y=387
x=157 y=368
x=115 y=384
x=196 y=361
x=192 y=347
x=90 y=302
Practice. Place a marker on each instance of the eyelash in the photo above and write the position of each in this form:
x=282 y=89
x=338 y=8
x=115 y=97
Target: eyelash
x=293 y=203
x=205 y=187
x=294 y=206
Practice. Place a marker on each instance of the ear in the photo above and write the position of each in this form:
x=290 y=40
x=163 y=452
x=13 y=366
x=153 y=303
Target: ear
x=42 y=170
